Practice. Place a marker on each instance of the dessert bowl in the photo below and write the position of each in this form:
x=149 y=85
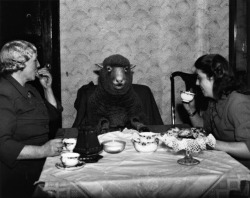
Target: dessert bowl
x=145 y=146
x=113 y=146
x=187 y=96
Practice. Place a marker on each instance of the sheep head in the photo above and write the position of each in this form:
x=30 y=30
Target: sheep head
x=115 y=75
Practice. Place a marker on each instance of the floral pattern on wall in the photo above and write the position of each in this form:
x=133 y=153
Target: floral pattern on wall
x=159 y=36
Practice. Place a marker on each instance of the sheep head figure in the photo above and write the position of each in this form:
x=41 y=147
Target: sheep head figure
x=115 y=75
x=114 y=103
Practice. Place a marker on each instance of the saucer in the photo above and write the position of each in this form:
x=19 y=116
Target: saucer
x=91 y=158
x=70 y=168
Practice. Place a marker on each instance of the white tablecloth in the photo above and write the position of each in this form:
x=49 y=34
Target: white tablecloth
x=132 y=174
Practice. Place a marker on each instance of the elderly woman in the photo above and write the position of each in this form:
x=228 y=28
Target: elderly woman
x=228 y=114
x=24 y=119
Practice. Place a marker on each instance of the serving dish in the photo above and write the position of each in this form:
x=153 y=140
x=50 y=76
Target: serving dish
x=191 y=139
x=145 y=142
x=113 y=146
x=145 y=147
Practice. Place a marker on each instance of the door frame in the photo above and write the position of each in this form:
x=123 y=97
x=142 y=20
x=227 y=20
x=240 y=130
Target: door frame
x=233 y=37
x=39 y=23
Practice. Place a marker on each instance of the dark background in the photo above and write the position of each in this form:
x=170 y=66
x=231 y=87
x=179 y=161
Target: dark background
x=36 y=21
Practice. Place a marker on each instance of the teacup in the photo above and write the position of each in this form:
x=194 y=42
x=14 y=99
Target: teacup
x=70 y=159
x=69 y=144
x=187 y=96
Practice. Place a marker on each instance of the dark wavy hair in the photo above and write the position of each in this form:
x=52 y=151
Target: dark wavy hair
x=14 y=55
x=216 y=66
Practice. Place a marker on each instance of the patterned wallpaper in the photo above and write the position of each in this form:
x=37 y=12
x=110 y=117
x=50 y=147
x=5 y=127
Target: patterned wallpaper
x=159 y=36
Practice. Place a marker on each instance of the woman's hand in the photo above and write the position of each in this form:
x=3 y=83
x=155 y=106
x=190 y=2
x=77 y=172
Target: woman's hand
x=46 y=81
x=189 y=106
x=194 y=116
x=49 y=149
x=45 y=78
x=52 y=147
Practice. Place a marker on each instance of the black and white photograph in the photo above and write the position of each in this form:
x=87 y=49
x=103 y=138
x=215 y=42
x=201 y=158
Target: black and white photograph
x=124 y=99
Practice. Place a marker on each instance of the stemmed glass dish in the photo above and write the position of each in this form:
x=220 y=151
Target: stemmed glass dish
x=191 y=145
x=188 y=159
x=190 y=140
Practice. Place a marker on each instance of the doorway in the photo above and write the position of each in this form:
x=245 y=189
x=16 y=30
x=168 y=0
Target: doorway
x=36 y=21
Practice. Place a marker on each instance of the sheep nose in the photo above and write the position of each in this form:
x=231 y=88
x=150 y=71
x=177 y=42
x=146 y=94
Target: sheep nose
x=119 y=80
x=119 y=76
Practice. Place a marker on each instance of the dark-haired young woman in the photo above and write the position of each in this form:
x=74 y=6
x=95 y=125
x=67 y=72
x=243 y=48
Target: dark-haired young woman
x=228 y=114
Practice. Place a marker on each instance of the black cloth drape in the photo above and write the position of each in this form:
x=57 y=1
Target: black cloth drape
x=149 y=105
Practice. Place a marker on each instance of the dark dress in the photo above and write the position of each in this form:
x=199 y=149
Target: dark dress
x=229 y=120
x=24 y=120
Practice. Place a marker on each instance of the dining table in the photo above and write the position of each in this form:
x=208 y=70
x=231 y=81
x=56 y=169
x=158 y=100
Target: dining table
x=146 y=175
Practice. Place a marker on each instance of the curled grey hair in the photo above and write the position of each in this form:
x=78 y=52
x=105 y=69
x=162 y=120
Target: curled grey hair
x=14 y=55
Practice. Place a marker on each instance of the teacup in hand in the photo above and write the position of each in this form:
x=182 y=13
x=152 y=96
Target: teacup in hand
x=69 y=144
x=70 y=159
x=187 y=96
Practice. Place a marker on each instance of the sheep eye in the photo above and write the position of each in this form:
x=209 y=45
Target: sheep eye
x=109 y=68
x=126 y=69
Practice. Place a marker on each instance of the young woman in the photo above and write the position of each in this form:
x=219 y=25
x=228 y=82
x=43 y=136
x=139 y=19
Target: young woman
x=24 y=119
x=228 y=114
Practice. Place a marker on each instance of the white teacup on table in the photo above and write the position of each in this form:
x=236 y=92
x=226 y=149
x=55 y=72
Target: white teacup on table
x=69 y=144
x=70 y=159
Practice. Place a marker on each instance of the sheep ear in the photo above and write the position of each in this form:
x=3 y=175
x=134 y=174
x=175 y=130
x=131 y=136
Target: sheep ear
x=99 y=65
x=97 y=72
x=132 y=66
